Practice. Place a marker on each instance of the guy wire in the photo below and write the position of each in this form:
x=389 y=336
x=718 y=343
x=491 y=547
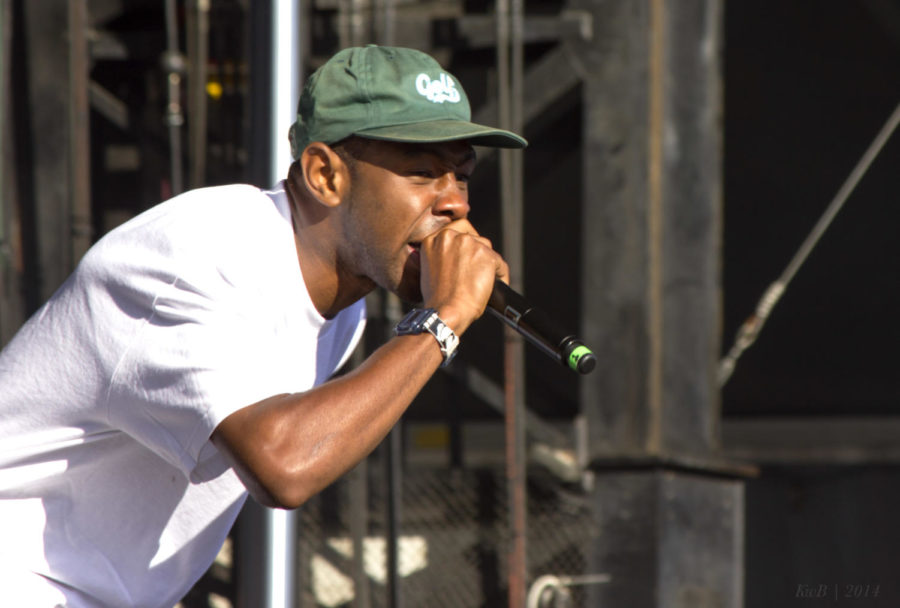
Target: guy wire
x=750 y=329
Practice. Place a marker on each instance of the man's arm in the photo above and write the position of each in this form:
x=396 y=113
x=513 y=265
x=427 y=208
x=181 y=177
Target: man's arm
x=287 y=448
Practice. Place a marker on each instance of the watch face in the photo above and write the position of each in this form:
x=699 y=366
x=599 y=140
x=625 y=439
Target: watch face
x=419 y=321
x=414 y=321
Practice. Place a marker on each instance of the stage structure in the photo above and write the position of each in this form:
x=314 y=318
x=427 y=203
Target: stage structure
x=512 y=481
x=646 y=432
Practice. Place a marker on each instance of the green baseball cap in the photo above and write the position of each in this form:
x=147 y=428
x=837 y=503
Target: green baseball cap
x=388 y=93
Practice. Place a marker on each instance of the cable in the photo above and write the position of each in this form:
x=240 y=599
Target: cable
x=750 y=329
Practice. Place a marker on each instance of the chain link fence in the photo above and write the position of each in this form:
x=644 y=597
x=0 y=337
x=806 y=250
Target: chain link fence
x=452 y=540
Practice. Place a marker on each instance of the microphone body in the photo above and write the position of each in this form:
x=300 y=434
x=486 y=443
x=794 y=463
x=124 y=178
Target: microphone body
x=537 y=328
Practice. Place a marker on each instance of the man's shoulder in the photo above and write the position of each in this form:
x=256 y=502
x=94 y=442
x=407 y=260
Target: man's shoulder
x=200 y=212
x=203 y=228
x=231 y=198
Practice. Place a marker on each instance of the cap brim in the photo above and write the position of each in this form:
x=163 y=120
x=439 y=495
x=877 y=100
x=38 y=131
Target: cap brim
x=446 y=130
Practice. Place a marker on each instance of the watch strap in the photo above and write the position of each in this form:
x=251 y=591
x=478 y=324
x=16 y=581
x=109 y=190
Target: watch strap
x=421 y=320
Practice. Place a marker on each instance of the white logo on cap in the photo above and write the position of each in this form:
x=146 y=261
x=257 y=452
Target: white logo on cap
x=437 y=91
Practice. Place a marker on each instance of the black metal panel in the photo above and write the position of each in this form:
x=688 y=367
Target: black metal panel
x=614 y=224
x=808 y=86
x=650 y=280
x=667 y=539
x=824 y=536
x=691 y=225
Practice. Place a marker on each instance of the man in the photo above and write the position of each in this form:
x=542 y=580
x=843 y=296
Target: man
x=187 y=360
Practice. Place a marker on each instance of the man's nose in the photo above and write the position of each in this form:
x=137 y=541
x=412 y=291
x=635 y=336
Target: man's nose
x=452 y=198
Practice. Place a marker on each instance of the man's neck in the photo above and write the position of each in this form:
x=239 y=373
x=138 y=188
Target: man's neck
x=328 y=289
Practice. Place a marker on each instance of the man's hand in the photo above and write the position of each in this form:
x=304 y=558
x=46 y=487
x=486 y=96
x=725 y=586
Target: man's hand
x=458 y=270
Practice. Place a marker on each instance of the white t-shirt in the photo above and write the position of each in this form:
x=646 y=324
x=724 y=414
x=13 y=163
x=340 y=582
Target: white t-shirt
x=111 y=493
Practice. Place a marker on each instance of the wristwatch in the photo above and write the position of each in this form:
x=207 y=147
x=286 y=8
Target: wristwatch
x=420 y=320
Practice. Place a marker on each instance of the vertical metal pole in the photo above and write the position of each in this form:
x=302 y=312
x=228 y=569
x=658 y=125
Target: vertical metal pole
x=352 y=22
x=41 y=103
x=4 y=86
x=198 y=53
x=358 y=481
x=393 y=312
x=286 y=77
x=5 y=252
x=359 y=500
x=253 y=547
x=174 y=114
x=387 y=10
x=79 y=134
x=509 y=74
x=655 y=170
x=8 y=295
x=394 y=504
x=281 y=528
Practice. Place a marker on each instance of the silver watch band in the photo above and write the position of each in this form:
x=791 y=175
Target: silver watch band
x=420 y=320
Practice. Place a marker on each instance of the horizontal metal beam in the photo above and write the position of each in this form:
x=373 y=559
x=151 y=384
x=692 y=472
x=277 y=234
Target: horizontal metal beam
x=480 y=31
x=492 y=394
x=110 y=106
x=107 y=46
x=547 y=80
x=484 y=441
x=812 y=440
x=117 y=46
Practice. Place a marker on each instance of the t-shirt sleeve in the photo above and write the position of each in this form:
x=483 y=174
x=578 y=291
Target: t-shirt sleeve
x=185 y=297
x=193 y=360
x=205 y=317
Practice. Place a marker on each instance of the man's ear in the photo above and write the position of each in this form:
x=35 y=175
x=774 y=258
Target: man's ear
x=325 y=174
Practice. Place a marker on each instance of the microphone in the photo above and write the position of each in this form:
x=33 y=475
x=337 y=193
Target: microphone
x=534 y=325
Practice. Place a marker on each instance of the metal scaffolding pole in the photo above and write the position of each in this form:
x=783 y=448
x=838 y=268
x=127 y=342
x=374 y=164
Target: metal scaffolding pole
x=79 y=133
x=510 y=76
x=385 y=22
x=197 y=26
x=8 y=299
x=4 y=85
x=393 y=312
x=352 y=22
x=41 y=110
x=286 y=67
x=173 y=63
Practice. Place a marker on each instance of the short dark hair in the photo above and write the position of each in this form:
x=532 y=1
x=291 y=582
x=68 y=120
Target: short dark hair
x=350 y=149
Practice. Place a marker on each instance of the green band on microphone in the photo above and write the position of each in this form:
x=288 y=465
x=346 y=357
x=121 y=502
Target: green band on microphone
x=577 y=353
